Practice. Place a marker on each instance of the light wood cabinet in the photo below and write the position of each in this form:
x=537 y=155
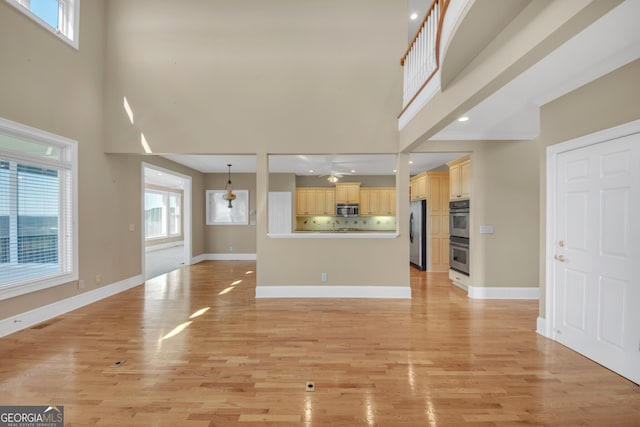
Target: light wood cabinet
x=387 y=201
x=438 y=229
x=325 y=201
x=315 y=201
x=348 y=192
x=459 y=178
x=377 y=201
x=418 y=187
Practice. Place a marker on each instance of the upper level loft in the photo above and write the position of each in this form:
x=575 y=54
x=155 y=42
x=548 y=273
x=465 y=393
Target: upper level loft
x=497 y=62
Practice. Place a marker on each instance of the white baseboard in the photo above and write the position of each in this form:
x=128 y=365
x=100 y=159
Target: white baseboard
x=223 y=257
x=152 y=248
x=477 y=292
x=33 y=317
x=541 y=326
x=198 y=258
x=401 y=292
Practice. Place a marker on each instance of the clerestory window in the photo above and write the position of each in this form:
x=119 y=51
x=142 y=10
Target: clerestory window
x=61 y=17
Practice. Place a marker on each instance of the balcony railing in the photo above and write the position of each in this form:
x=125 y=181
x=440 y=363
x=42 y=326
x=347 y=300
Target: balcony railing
x=421 y=60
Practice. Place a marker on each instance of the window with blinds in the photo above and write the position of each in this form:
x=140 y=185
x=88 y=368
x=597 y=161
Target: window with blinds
x=37 y=210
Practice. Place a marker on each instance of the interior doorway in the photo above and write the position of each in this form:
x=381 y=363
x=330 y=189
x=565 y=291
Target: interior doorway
x=166 y=219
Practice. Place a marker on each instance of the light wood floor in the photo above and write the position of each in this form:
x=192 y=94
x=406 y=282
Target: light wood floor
x=440 y=359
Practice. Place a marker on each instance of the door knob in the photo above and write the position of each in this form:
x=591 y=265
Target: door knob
x=561 y=243
x=559 y=258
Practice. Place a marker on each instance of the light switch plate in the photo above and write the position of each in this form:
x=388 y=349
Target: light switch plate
x=486 y=229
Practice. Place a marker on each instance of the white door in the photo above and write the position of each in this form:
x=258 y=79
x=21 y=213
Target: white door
x=597 y=253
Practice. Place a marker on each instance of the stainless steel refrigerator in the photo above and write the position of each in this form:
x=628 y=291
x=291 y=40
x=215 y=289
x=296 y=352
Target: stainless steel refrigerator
x=418 y=234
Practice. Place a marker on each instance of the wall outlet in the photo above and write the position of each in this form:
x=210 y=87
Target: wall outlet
x=230 y=248
x=323 y=277
x=80 y=284
x=98 y=279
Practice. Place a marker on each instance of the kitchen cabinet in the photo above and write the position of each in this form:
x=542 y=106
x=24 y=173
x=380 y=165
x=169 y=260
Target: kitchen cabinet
x=459 y=178
x=418 y=186
x=438 y=229
x=315 y=201
x=347 y=192
x=325 y=201
x=377 y=201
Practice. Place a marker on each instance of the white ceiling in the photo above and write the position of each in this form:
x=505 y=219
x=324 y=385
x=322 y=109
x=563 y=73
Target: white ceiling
x=513 y=112
x=321 y=164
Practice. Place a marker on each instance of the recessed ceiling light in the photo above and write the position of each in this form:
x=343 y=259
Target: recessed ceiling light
x=413 y=16
x=311 y=171
x=353 y=171
x=395 y=171
x=410 y=162
x=463 y=119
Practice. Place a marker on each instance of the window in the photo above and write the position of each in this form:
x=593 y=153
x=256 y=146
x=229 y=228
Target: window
x=61 y=17
x=162 y=214
x=38 y=237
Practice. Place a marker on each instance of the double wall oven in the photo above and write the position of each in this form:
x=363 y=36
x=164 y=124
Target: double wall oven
x=459 y=235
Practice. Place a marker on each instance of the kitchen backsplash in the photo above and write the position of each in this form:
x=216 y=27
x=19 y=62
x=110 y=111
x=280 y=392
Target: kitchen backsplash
x=329 y=223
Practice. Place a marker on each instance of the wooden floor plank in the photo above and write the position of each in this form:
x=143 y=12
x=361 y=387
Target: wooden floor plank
x=196 y=356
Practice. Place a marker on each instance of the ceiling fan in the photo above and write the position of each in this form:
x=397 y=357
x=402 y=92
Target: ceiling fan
x=334 y=173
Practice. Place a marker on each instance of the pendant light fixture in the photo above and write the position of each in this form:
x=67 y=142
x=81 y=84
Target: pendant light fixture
x=228 y=190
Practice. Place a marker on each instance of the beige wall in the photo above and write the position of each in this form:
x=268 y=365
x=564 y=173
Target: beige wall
x=350 y=261
x=51 y=86
x=609 y=101
x=280 y=75
x=364 y=180
x=504 y=193
x=224 y=239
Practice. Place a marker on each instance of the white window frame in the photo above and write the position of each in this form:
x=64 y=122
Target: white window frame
x=68 y=161
x=179 y=215
x=68 y=19
x=166 y=217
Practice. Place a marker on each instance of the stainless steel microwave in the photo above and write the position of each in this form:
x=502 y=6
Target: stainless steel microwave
x=347 y=209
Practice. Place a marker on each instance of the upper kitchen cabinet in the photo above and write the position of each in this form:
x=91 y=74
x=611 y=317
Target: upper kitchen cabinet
x=377 y=201
x=315 y=201
x=459 y=178
x=347 y=192
x=419 y=187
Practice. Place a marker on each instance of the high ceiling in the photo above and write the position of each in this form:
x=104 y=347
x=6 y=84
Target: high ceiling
x=512 y=112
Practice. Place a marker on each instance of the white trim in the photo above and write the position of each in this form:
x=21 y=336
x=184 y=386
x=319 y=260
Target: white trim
x=479 y=292
x=553 y=151
x=74 y=28
x=541 y=326
x=198 y=258
x=33 y=317
x=151 y=248
x=228 y=257
x=394 y=292
x=69 y=163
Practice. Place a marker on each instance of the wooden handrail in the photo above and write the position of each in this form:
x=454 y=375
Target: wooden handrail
x=443 y=11
x=422 y=24
x=444 y=4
